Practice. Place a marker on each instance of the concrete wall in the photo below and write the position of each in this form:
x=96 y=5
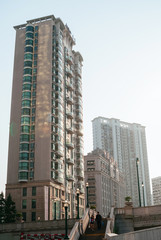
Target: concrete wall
x=148 y=234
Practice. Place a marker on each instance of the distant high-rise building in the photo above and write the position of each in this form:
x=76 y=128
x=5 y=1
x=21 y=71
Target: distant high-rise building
x=106 y=183
x=156 y=186
x=45 y=160
x=125 y=142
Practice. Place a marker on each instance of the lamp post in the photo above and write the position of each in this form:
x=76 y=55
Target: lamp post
x=78 y=202
x=143 y=193
x=87 y=195
x=137 y=162
x=66 y=219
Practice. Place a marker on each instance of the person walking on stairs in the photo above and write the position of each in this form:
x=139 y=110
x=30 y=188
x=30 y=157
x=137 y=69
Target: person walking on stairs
x=98 y=220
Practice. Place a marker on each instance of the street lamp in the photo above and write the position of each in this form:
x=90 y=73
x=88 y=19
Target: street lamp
x=66 y=216
x=137 y=162
x=143 y=194
x=87 y=195
x=78 y=192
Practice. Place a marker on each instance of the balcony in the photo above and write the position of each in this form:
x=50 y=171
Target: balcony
x=69 y=85
x=78 y=72
x=79 y=130
x=80 y=174
x=69 y=59
x=79 y=117
x=69 y=144
x=69 y=129
x=69 y=72
x=70 y=161
x=70 y=177
x=69 y=99
x=69 y=113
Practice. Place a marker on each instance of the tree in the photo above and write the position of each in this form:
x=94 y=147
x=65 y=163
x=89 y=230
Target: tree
x=10 y=210
x=2 y=208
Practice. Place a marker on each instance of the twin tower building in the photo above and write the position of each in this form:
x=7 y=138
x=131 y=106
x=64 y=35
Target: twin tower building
x=46 y=157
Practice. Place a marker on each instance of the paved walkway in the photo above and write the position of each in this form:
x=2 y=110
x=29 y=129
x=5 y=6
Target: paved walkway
x=96 y=234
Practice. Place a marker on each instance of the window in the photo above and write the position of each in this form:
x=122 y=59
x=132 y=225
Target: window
x=33 y=203
x=33 y=216
x=25 y=129
x=56 y=192
x=24 y=147
x=34 y=78
x=33 y=109
x=36 y=28
x=29 y=49
x=31 y=164
x=32 y=128
x=25 y=111
x=33 y=119
x=28 y=64
x=32 y=174
x=24 y=204
x=24 y=192
x=28 y=71
x=24 y=156
x=25 y=120
x=23 y=165
x=24 y=216
x=34 y=70
x=26 y=95
x=29 y=42
x=29 y=29
x=32 y=146
x=32 y=136
x=27 y=79
x=23 y=176
x=35 y=56
x=24 y=138
x=33 y=191
x=28 y=56
x=26 y=87
x=29 y=35
x=26 y=103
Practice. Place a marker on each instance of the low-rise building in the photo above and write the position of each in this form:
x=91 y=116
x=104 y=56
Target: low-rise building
x=106 y=185
x=156 y=185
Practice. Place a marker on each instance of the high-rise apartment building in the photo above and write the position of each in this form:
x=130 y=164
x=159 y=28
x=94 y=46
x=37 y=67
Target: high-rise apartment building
x=126 y=142
x=106 y=186
x=156 y=187
x=45 y=159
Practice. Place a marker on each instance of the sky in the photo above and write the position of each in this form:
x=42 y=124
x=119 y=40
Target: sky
x=120 y=41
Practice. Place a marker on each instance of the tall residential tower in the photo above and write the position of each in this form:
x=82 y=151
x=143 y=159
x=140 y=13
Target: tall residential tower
x=126 y=142
x=45 y=159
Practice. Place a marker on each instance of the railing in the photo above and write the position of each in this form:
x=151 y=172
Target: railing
x=110 y=224
x=80 y=227
x=75 y=233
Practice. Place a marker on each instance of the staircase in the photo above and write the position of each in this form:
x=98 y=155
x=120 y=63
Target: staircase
x=96 y=234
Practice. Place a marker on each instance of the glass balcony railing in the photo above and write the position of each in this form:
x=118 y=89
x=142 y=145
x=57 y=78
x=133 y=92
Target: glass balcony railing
x=70 y=160
x=69 y=144
x=69 y=59
x=69 y=113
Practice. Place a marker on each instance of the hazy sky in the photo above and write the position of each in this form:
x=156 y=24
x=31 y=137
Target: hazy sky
x=120 y=41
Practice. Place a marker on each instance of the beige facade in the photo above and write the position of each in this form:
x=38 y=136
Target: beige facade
x=46 y=139
x=106 y=183
x=156 y=187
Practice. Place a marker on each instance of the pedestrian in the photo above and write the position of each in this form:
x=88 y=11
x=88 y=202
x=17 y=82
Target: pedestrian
x=98 y=220
x=92 y=222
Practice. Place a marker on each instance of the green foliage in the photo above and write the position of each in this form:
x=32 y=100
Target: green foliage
x=2 y=208
x=127 y=199
x=7 y=209
x=92 y=207
x=10 y=210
